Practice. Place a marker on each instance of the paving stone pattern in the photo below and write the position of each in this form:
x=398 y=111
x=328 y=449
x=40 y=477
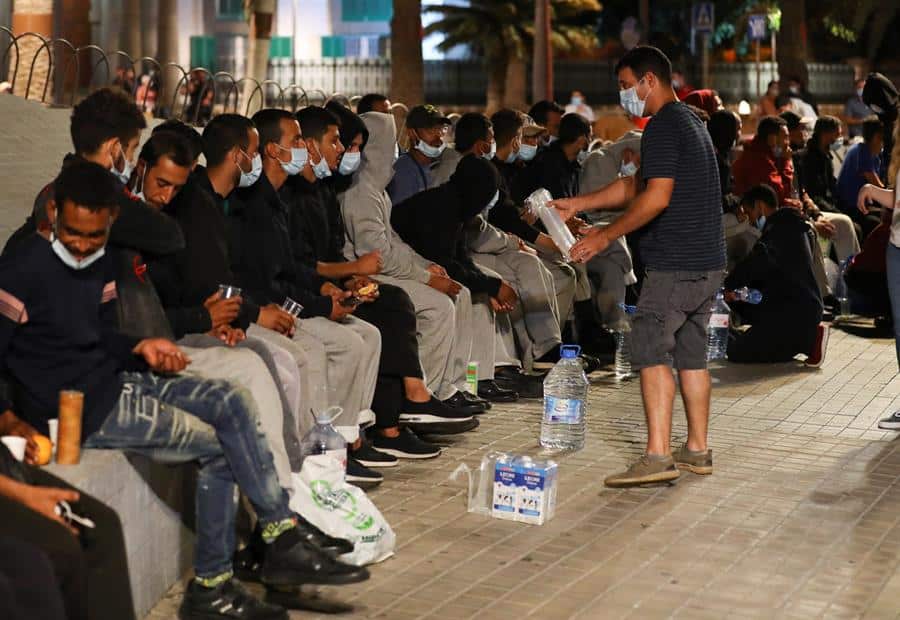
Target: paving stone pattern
x=800 y=520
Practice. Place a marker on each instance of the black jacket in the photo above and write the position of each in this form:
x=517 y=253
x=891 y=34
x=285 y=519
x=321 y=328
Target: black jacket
x=505 y=215
x=268 y=269
x=431 y=222
x=780 y=266
x=316 y=224
x=816 y=176
x=551 y=170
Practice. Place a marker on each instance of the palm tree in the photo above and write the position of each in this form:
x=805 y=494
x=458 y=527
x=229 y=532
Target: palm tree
x=407 y=68
x=259 y=15
x=501 y=32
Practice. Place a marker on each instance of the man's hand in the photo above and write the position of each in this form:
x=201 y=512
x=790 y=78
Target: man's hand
x=589 y=246
x=276 y=318
x=567 y=207
x=794 y=203
x=524 y=247
x=222 y=311
x=43 y=500
x=369 y=264
x=229 y=335
x=10 y=424
x=163 y=356
x=824 y=228
x=506 y=299
x=436 y=270
x=864 y=198
x=338 y=310
x=445 y=285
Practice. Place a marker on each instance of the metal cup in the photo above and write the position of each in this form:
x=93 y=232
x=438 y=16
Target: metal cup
x=228 y=291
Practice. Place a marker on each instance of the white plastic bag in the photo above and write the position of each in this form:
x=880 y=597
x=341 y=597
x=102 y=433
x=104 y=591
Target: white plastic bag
x=323 y=497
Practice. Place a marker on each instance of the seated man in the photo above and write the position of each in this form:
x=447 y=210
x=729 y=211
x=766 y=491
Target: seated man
x=443 y=307
x=548 y=114
x=55 y=333
x=317 y=236
x=861 y=165
x=780 y=266
x=426 y=128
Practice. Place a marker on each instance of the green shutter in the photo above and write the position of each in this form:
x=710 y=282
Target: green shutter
x=203 y=52
x=281 y=47
x=332 y=47
x=367 y=10
x=231 y=10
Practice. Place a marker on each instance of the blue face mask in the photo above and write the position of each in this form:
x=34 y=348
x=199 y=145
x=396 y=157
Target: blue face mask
x=127 y=169
x=299 y=157
x=761 y=222
x=628 y=170
x=490 y=154
x=490 y=205
x=512 y=157
x=350 y=163
x=321 y=169
x=837 y=145
x=527 y=152
x=431 y=152
x=249 y=178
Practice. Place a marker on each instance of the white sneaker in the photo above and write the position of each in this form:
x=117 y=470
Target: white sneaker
x=891 y=423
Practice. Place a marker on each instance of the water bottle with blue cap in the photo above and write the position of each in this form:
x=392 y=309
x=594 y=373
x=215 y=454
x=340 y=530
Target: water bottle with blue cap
x=565 y=399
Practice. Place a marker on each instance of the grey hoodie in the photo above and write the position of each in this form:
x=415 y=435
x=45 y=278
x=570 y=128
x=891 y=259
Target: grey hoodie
x=366 y=207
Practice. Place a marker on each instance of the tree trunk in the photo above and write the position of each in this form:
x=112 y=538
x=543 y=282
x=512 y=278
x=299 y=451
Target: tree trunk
x=496 y=84
x=515 y=92
x=167 y=46
x=792 y=44
x=31 y=16
x=407 y=68
x=542 y=59
x=131 y=37
x=644 y=16
x=261 y=14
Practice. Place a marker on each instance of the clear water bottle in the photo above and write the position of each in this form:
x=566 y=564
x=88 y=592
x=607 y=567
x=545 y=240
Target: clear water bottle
x=565 y=397
x=537 y=203
x=748 y=295
x=717 y=339
x=841 y=291
x=623 y=343
x=324 y=439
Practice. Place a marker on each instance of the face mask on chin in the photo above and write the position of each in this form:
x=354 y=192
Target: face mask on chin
x=128 y=167
x=69 y=259
x=431 y=152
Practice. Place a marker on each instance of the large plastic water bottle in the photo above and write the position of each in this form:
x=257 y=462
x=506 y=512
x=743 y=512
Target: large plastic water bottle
x=563 y=238
x=623 y=343
x=565 y=397
x=841 y=291
x=748 y=295
x=717 y=339
x=324 y=439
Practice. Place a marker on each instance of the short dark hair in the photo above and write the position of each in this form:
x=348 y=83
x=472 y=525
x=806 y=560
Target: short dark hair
x=793 y=120
x=367 y=103
x=191 y=135
x=223 y=133
x=782 y=100
x=763 y=193
x=168 y=144
x=573 y=126
x=104 y=114
x=769 y=125
x=824 y=124
x=542 y=109
x=88 y=185
x=645 y=59
x=268 y=123
x=507 y=124
x=470 y=128
x=314 y=121
x=871 y=127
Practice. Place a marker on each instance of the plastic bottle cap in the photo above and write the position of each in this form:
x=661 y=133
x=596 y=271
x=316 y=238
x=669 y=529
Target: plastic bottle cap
x=570 y=351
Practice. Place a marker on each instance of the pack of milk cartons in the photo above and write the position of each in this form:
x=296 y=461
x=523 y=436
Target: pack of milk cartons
x=524 y=489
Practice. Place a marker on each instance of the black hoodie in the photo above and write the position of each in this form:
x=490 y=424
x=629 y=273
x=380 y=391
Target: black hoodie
x=431 y=222
x=881 y=95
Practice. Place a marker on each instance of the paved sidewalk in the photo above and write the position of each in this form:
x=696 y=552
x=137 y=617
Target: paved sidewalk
x=800 y=520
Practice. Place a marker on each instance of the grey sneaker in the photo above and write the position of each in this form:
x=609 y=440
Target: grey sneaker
x=890 y=423
x=695 y=462
x=645 y=470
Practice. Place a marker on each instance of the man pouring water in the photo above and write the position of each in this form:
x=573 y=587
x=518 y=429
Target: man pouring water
x=675 y=211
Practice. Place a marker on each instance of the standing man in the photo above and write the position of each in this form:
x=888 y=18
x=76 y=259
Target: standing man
x=678 y=212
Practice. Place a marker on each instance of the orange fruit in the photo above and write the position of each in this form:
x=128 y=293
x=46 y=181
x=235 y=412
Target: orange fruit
x=45 y=449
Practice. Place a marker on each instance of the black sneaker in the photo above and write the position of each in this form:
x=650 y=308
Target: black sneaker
x=370 y=457
x=475 y=399
x=891 y=423
x=527 y=386
x=432 y=412
x=590 y=363
x=461 y=403
x=228 y=600
x=406 y=446
x=489 y=390
x=359 y=473
x=292 y=561
x=313 y=535
x=446 y=428
x=248 y=561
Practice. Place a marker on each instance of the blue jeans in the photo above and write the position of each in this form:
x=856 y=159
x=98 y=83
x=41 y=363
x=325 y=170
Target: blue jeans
x=893 y=280
x=182 y=419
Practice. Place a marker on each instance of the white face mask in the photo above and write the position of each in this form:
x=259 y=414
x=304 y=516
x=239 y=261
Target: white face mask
x=490 y=205
x=577 y=101
x=837 y=145
x=761 y=222
x=321 y=169
x=582 y=155
x=125 y=175
x=249 y=178
x=69 y=259
x=512 y=157
x=349 y=163
x=140 y=195
x=628 y=170
x=527 y=152
x=633 y=104
x=551 y=140
x=396 y=152
x=299 y=157
x=432 y=152
x=490 y=154
x=859 y=92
